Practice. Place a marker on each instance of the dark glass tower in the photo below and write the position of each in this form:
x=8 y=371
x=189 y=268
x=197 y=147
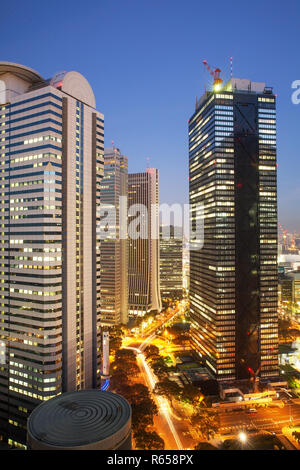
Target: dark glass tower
x=233 y=278
x=171 y=269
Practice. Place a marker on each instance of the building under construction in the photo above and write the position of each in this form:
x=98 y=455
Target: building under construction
x=233 y=278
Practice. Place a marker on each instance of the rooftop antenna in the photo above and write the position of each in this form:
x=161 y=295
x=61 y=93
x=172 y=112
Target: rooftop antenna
x=113 y=146
x=148 y=160
x=231 y=68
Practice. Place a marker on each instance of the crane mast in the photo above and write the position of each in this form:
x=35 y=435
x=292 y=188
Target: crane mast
x=216 y=74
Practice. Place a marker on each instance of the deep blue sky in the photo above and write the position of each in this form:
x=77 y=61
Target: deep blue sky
x=143 y=59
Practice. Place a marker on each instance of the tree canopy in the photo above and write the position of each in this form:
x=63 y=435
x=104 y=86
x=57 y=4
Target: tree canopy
x=148 y=440
x=167 y=388
x=206 y=421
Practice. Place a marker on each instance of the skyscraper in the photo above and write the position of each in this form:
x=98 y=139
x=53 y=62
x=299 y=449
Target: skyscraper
x=233 y=283
x=171 y=258
x=143 y=264
x=52 y=143
x=114 y=249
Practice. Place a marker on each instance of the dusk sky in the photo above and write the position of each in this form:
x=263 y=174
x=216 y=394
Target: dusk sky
x=143 y=59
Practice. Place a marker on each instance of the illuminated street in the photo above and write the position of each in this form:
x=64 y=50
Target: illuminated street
x=172 y=429
x=176 y=431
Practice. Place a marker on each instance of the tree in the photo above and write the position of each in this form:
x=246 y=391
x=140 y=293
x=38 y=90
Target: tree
x=148 y=440
x=143 y=412
x=152 y=351
x=115 y=343
x=191 y=394
x=294 y=382
x=125 y=360
x=123 y=369
x=126 y=355
x=205 y=421
x=130 y=368
x=296 y=435
x=205 y=446
x=168 y=389
x=119 y=381
x=160 y=368
x=139 y=393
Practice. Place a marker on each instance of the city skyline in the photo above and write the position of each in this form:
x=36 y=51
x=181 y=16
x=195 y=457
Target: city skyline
x=150 y=78
x=150 y=244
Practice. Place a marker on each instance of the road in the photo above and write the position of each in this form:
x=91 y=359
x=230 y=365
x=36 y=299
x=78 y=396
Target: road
x=164 y=318
x=176 y=432
x=271 y=419
x=171 y=429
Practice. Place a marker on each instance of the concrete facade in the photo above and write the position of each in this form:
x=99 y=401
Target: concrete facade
x=143 y=276
x=52 y=144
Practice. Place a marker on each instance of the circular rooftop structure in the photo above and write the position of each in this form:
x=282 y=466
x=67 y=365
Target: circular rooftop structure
x=76 y=85
x=26 y=73
x=86 y=419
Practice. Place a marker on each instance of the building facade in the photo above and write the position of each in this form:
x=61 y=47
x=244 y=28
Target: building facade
x=114 y=248
x=233 y=278
x=143 y=264
x=171 y=263
x=52 y=144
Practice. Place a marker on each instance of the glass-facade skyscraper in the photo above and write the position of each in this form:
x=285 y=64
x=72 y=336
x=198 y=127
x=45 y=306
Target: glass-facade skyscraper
x=51 y=157
x=114 y=248
x=233 y=278
x=171 y=262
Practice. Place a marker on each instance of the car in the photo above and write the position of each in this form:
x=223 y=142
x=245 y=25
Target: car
x=252 y=410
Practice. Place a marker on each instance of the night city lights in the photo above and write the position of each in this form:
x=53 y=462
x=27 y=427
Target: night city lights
x=150 y=230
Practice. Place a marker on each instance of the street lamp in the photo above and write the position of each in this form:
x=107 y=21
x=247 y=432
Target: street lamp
x=242 y=437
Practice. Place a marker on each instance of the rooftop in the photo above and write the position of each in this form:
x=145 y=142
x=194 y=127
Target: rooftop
x=79 y=418
x=21 y=71
x=236 y=85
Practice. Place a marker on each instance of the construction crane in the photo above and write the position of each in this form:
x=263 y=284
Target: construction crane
x=215 y=73
x=254 y=377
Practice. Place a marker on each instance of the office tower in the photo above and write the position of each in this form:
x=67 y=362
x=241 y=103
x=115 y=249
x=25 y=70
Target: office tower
x=51 y=157
x=143 y=264
x=171 y=258
x=285 y=289
x=295 y=276
x=233 y=284
x=186 y=266
x=114 y=249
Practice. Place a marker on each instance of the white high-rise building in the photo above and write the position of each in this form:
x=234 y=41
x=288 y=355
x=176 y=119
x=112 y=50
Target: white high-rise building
x=51 y=157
